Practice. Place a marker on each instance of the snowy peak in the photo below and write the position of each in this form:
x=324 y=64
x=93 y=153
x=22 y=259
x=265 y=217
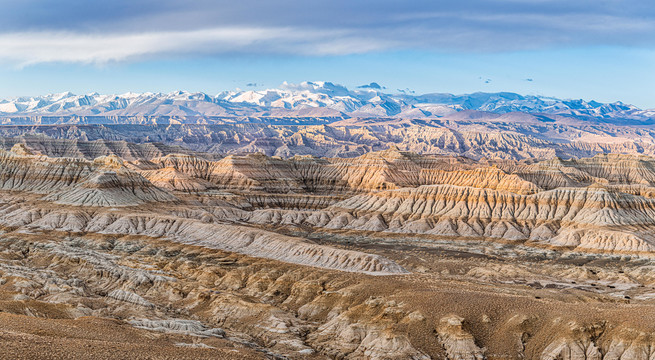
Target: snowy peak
x=318 y=99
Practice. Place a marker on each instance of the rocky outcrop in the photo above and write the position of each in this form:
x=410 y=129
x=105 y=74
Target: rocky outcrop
x=458 y=343
x=585 y=218
x=491 y=258
x=501 y=200
x=598 y=341
x=102 y=182
x=172 y=179
x=483 y=177
x=388 y=169
x=111 y=185
x=129 y=297
x=365 y=332
x=240 y=239
x=254 y=172
x=75 y=144
x=191 y=327
x=473 y=138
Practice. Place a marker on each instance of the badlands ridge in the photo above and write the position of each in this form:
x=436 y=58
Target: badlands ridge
x=386 y=255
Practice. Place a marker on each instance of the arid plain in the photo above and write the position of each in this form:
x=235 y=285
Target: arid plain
x=157 y=251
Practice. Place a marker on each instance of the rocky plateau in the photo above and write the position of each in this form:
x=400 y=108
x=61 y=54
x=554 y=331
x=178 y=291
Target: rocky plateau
x=171 y=247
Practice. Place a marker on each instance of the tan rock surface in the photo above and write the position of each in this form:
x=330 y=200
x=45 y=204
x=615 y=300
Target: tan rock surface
x=254 y=256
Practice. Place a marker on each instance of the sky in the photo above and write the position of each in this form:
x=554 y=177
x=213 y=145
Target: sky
x=601 y=50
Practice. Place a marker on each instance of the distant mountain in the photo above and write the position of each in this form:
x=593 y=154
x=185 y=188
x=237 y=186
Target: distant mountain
x=316 y=99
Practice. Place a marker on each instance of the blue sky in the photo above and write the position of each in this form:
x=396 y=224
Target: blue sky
x=602 y=50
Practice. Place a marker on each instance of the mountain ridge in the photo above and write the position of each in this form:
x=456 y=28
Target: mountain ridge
x=316 y=99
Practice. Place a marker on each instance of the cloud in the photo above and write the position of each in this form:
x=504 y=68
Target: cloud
x=34 y=31
x=372 y=85
x=39 y=47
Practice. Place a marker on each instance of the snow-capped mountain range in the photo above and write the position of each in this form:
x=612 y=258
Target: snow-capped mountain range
x=312 y=99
